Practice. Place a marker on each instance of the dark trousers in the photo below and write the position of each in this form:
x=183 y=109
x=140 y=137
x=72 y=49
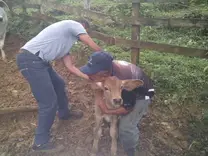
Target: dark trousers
x=128 y=125
x=48 y=89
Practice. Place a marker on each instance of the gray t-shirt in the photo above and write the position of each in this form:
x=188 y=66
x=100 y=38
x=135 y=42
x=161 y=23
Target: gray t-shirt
x=56 y=40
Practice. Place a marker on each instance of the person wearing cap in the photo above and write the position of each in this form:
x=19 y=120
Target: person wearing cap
x=52 y=43
x=135 y=103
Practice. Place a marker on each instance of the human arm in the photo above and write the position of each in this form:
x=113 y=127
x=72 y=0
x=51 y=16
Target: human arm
x=86 y=39
x=119 y=111
x=68 y=63
x=80 y=32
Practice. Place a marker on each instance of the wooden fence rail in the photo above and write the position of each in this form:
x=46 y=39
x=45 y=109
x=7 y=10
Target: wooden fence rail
x=151 y=46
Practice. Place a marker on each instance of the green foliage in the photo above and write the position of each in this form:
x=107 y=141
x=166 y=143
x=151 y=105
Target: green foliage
x=195 y=14
x=25 y=28
x=118 y=53
x=170 y=6
x=177 y=75
x=198 y=2
x=195 y=38
x=198 y=134
x=123 y=9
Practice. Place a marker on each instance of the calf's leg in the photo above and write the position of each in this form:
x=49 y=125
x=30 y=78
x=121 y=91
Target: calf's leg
x=114 y=135
x=97 y=135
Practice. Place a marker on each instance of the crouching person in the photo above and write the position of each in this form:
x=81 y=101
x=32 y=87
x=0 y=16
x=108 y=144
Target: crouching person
x=135 y=103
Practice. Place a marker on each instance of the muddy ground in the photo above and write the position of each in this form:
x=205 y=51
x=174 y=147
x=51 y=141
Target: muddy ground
x=162 y=134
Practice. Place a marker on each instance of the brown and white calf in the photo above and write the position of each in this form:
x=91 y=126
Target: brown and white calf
x=111 y=89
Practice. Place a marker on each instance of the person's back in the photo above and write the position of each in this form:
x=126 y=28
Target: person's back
x=125 y=70
x=56 y=40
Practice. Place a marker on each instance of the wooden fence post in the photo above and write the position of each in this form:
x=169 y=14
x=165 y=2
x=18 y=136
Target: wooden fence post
x=23 y=7
x=87 y=4
x=135 y=32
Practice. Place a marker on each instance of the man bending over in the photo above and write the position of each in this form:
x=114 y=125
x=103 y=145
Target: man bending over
x=52 y=43
x=135 y=103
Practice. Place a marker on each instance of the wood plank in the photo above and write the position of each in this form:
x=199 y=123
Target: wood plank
x=152 y=1
x=172 y=22
x=113 y=40
x=4 y=111
x=193 y=52
x=35 y=6
x=43 y=17
x=21 y=109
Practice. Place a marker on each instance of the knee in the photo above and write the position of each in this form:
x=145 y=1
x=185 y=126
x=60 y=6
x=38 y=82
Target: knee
x=128 y=135
x=48 y=106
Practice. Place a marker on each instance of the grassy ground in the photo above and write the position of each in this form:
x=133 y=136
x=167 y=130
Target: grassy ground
x=180 y=81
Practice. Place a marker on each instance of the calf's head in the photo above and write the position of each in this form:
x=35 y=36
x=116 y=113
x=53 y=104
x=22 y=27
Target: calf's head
x=112 y=88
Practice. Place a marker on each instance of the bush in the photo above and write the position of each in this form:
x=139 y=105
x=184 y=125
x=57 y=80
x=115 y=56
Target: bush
x=170 y=6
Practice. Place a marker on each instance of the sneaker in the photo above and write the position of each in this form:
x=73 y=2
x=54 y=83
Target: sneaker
x=78 y=114
x=47 y=148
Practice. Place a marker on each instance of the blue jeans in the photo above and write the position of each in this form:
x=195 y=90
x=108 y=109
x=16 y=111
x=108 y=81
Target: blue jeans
x=48 y=89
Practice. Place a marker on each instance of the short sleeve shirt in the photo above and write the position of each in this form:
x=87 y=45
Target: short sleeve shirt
x=56 y=40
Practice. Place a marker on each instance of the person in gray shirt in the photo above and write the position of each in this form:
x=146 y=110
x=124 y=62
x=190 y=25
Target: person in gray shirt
x=52 y=43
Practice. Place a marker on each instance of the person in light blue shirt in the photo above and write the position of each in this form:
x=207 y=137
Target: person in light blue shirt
x=52 y=43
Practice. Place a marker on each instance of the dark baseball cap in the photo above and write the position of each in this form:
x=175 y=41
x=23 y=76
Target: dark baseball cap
x=98 y=61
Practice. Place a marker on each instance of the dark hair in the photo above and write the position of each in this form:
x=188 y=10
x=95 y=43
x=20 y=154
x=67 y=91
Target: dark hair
x=85 y=22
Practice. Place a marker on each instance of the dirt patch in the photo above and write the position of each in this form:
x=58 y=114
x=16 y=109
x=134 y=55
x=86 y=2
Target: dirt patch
x=159 y=134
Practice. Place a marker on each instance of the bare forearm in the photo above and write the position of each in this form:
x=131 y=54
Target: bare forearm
x=118 y=111
x=68 y=63
x=77 y=72
x=94 y=46
x=89 y=41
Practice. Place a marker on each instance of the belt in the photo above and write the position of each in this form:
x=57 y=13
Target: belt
x=36 y=54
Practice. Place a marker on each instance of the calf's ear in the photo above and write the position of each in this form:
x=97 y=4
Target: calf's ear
x=97 y=86
x=131 y=84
